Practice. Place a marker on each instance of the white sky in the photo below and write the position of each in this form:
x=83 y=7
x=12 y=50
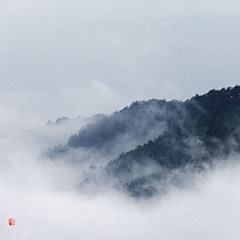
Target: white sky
x=53 y=55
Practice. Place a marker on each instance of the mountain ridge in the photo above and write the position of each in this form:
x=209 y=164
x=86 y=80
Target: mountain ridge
x=171 y=134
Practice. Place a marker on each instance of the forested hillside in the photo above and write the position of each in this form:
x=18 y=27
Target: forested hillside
x=167 y=136
x=126 y=129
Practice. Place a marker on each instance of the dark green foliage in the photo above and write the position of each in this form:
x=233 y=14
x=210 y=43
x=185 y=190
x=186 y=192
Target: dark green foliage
x=223 y=111
x=135 y=121
x=206 y=131
x=210 y=118
x=141 y=187
x=195 y=132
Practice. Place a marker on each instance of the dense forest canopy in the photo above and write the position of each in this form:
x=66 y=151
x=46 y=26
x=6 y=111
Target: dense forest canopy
x=167 y=134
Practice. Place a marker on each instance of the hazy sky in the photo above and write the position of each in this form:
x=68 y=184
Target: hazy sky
x=70 y=58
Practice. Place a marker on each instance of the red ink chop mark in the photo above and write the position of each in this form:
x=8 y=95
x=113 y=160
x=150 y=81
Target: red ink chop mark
x=11 y=221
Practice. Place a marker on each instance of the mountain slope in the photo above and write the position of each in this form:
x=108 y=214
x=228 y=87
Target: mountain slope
x=210 y=129
x=126 y=129
x=160 y=138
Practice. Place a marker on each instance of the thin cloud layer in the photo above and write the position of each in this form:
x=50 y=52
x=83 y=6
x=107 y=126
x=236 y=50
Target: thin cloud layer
x=120 y=10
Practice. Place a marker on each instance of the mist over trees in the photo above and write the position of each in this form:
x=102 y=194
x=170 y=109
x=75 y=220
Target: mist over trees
x=148 y=142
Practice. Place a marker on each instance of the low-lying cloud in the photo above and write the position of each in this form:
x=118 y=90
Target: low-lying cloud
x=43 y=196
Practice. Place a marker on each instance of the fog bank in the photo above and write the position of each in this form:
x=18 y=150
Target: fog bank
x=42 y=196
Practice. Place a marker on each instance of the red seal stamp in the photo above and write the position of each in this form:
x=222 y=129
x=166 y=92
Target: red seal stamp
x=11 y=221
